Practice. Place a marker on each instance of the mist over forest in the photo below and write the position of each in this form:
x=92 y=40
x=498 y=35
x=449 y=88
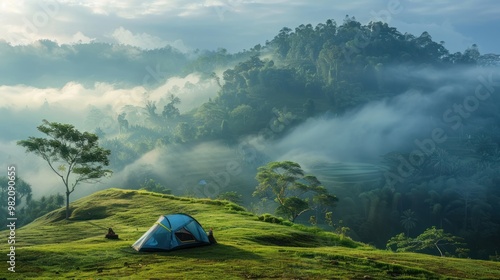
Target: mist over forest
x=386 y=121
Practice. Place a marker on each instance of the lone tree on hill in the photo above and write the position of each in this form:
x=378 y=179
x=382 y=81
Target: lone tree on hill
x=74 y=156
x=430 y=238
x=294 y=191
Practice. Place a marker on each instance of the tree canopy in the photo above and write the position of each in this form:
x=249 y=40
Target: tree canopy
x=74 y=156
x=292 y=189
x=431 y=238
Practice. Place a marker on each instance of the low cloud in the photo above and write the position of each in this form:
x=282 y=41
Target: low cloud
x=393 y=124
x=145 y=41
x=76 y=98
x=74 y=103
x=204 y=170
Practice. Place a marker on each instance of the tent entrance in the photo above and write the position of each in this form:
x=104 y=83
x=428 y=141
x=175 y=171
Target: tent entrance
x=185 y=236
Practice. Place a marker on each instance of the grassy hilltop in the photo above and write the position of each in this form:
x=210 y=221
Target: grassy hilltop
x=53 y=248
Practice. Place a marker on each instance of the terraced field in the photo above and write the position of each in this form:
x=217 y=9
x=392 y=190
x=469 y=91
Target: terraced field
x=347 y=173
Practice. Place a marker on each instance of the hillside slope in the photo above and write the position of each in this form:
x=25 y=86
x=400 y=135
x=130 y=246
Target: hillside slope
x=53 y=248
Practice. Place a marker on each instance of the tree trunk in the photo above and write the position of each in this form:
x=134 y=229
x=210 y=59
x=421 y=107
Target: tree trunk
x=436 y=244
x=67 y=205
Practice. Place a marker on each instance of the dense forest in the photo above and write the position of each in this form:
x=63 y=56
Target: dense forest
x=443 y=173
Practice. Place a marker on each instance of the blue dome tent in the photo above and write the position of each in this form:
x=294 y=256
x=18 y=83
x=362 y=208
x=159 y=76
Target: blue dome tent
x=172 y=232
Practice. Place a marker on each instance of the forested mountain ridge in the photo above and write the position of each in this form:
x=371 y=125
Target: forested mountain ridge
x=334 y=68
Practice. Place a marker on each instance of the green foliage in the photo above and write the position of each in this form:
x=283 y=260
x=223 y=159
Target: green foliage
x=74 y=156
x=292 y=207
x=122 y=125
x=455 y=188
x=184 y=132
x=339 y=228
x=436 y=238
x=294 y=191
x=329 y=218
x=316 y=65
x=230 y=196
x=210 y=116
x=169 y=110
x=431 y=238
x=152 y=186
x=313 y=221
x=22 y=188
x=347 y=61
x=150 y=110
x=309 y=107
x=408 y=220
x=39 y=207
x=23 y=197
x=122 y=152
x=243 y=119
x=236 y=208
x=342 y=231
x=495 y=258
x=400 y=242
x=268 y=218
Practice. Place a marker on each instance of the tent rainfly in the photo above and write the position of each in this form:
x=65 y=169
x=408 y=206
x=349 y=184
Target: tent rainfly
x=172 y=232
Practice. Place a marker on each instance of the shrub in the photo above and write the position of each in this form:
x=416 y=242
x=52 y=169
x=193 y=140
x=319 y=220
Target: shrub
x=268 y=218
x=235 y=207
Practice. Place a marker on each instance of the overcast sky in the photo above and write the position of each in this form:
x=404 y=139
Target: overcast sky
x=239 y=24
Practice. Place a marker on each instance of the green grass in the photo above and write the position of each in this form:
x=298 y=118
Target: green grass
x=53 y=248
